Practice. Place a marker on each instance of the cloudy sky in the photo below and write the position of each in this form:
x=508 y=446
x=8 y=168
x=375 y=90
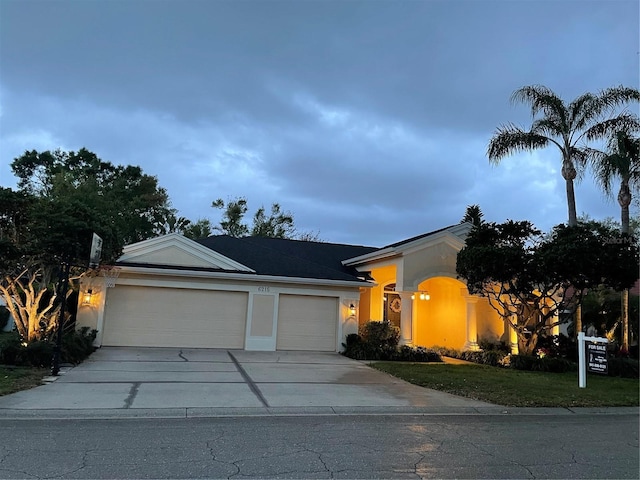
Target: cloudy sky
x=369 y=120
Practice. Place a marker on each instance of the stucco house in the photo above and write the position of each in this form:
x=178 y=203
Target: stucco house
x=258 y=293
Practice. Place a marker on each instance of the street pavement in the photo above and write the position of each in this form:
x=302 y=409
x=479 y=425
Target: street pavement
x=327 y=446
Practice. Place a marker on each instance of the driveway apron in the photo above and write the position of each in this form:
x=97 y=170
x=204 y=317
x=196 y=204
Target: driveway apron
x=205 y=381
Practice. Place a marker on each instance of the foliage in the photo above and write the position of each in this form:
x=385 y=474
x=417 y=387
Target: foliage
x=64 y=198
x=529 y=278
x=542 y=364
x=358 y=348
x=602 y=308
x=473 y=215
x=200 y=229
x=381 y=338
x=623 y=367
x=491 y=357
x=276 y=224
x=234 y=211
x=415 y=354
x=76 y=346
x=588 y=118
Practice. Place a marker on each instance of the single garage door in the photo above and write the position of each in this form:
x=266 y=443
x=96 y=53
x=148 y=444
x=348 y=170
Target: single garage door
x=174 y=317
x=307 y=323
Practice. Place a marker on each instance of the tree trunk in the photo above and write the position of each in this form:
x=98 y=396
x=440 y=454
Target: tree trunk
x=569 y=174
x=624 y=199
x=625 y=319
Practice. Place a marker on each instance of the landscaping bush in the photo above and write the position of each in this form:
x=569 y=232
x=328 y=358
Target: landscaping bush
x=13 y=352
x=544 y=364
x=76 y=346
x=381 y=338
x=355 y=347
x=379 y=341
x=415 y=354
x=492 y=345
x=623 y=367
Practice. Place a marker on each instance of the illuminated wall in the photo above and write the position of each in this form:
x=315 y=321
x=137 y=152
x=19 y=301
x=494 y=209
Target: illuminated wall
x=442 y=320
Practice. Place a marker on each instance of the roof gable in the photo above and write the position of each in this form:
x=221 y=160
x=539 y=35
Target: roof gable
x=453 y=235
x=176 y=250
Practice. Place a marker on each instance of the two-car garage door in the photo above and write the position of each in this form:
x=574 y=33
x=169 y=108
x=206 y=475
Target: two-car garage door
x=172 y=317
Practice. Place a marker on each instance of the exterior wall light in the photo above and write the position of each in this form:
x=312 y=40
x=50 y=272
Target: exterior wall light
x=421 y=296
x=86 y=299
x=352 y=309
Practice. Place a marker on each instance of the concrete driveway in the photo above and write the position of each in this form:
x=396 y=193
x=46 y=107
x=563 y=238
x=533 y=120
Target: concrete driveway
x=170 y=382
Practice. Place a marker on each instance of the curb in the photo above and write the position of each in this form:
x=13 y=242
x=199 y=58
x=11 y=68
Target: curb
x=222 y=412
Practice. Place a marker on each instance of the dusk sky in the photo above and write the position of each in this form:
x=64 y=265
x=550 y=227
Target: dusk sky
x=368 y=120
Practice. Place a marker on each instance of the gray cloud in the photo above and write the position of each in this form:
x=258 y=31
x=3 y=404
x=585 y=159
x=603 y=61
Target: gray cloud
x=368 y=120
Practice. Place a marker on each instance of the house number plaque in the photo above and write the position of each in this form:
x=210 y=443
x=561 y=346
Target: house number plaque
x=263 y=289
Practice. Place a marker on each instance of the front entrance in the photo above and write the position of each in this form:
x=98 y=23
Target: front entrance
x=392 y=305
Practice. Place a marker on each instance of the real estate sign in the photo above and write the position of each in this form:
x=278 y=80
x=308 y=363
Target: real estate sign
x=597 y=357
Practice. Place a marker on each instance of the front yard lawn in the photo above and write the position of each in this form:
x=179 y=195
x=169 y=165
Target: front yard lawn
x=517 y=388
x=14 y=379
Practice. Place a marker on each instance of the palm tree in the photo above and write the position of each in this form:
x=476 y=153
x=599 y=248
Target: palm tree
x=473 y=215
x=569 y=127
x=622 y=160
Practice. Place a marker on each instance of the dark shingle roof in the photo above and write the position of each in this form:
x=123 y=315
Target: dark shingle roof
x=289 y=258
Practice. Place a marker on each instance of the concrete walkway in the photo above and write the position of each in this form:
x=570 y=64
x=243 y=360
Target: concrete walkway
x=171 y=383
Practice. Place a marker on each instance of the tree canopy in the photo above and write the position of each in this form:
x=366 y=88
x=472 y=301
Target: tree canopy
x=63 y=198
x=567 y=126
x=277 y=223
x=529 y=277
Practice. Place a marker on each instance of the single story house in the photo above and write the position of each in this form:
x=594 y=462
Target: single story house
x=258 y=293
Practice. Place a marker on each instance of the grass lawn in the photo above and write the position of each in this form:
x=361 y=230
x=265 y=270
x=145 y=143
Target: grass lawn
x=516 y=388
x=15 y=379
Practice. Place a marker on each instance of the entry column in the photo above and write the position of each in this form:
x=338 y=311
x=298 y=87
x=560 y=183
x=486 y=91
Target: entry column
x=472 y=324
x=406 y=318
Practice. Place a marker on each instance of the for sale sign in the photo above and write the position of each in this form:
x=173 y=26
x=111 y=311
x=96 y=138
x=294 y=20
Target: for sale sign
x=596 y=357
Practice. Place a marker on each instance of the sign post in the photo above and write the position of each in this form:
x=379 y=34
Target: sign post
x=597 y=357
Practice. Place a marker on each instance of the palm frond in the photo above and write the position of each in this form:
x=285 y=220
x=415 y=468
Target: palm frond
x=547 y=127
x=510 y=139
x=617 y=96
x=624 y=122
x=583 y=110
x=541 y=99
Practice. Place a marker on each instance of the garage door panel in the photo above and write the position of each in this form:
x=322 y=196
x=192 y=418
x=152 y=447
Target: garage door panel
x=307 y=323
x=170 y=317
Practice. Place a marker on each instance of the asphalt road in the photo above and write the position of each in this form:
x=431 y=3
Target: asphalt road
x=365 y=446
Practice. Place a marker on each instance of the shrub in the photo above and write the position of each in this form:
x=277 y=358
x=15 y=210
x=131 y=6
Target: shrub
x=415 y=354
x=381 y=338
x=544 y=364
x=76 y=346
x=488 y=345
x=14 y=352
x=355 y=347
x=623 y=367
